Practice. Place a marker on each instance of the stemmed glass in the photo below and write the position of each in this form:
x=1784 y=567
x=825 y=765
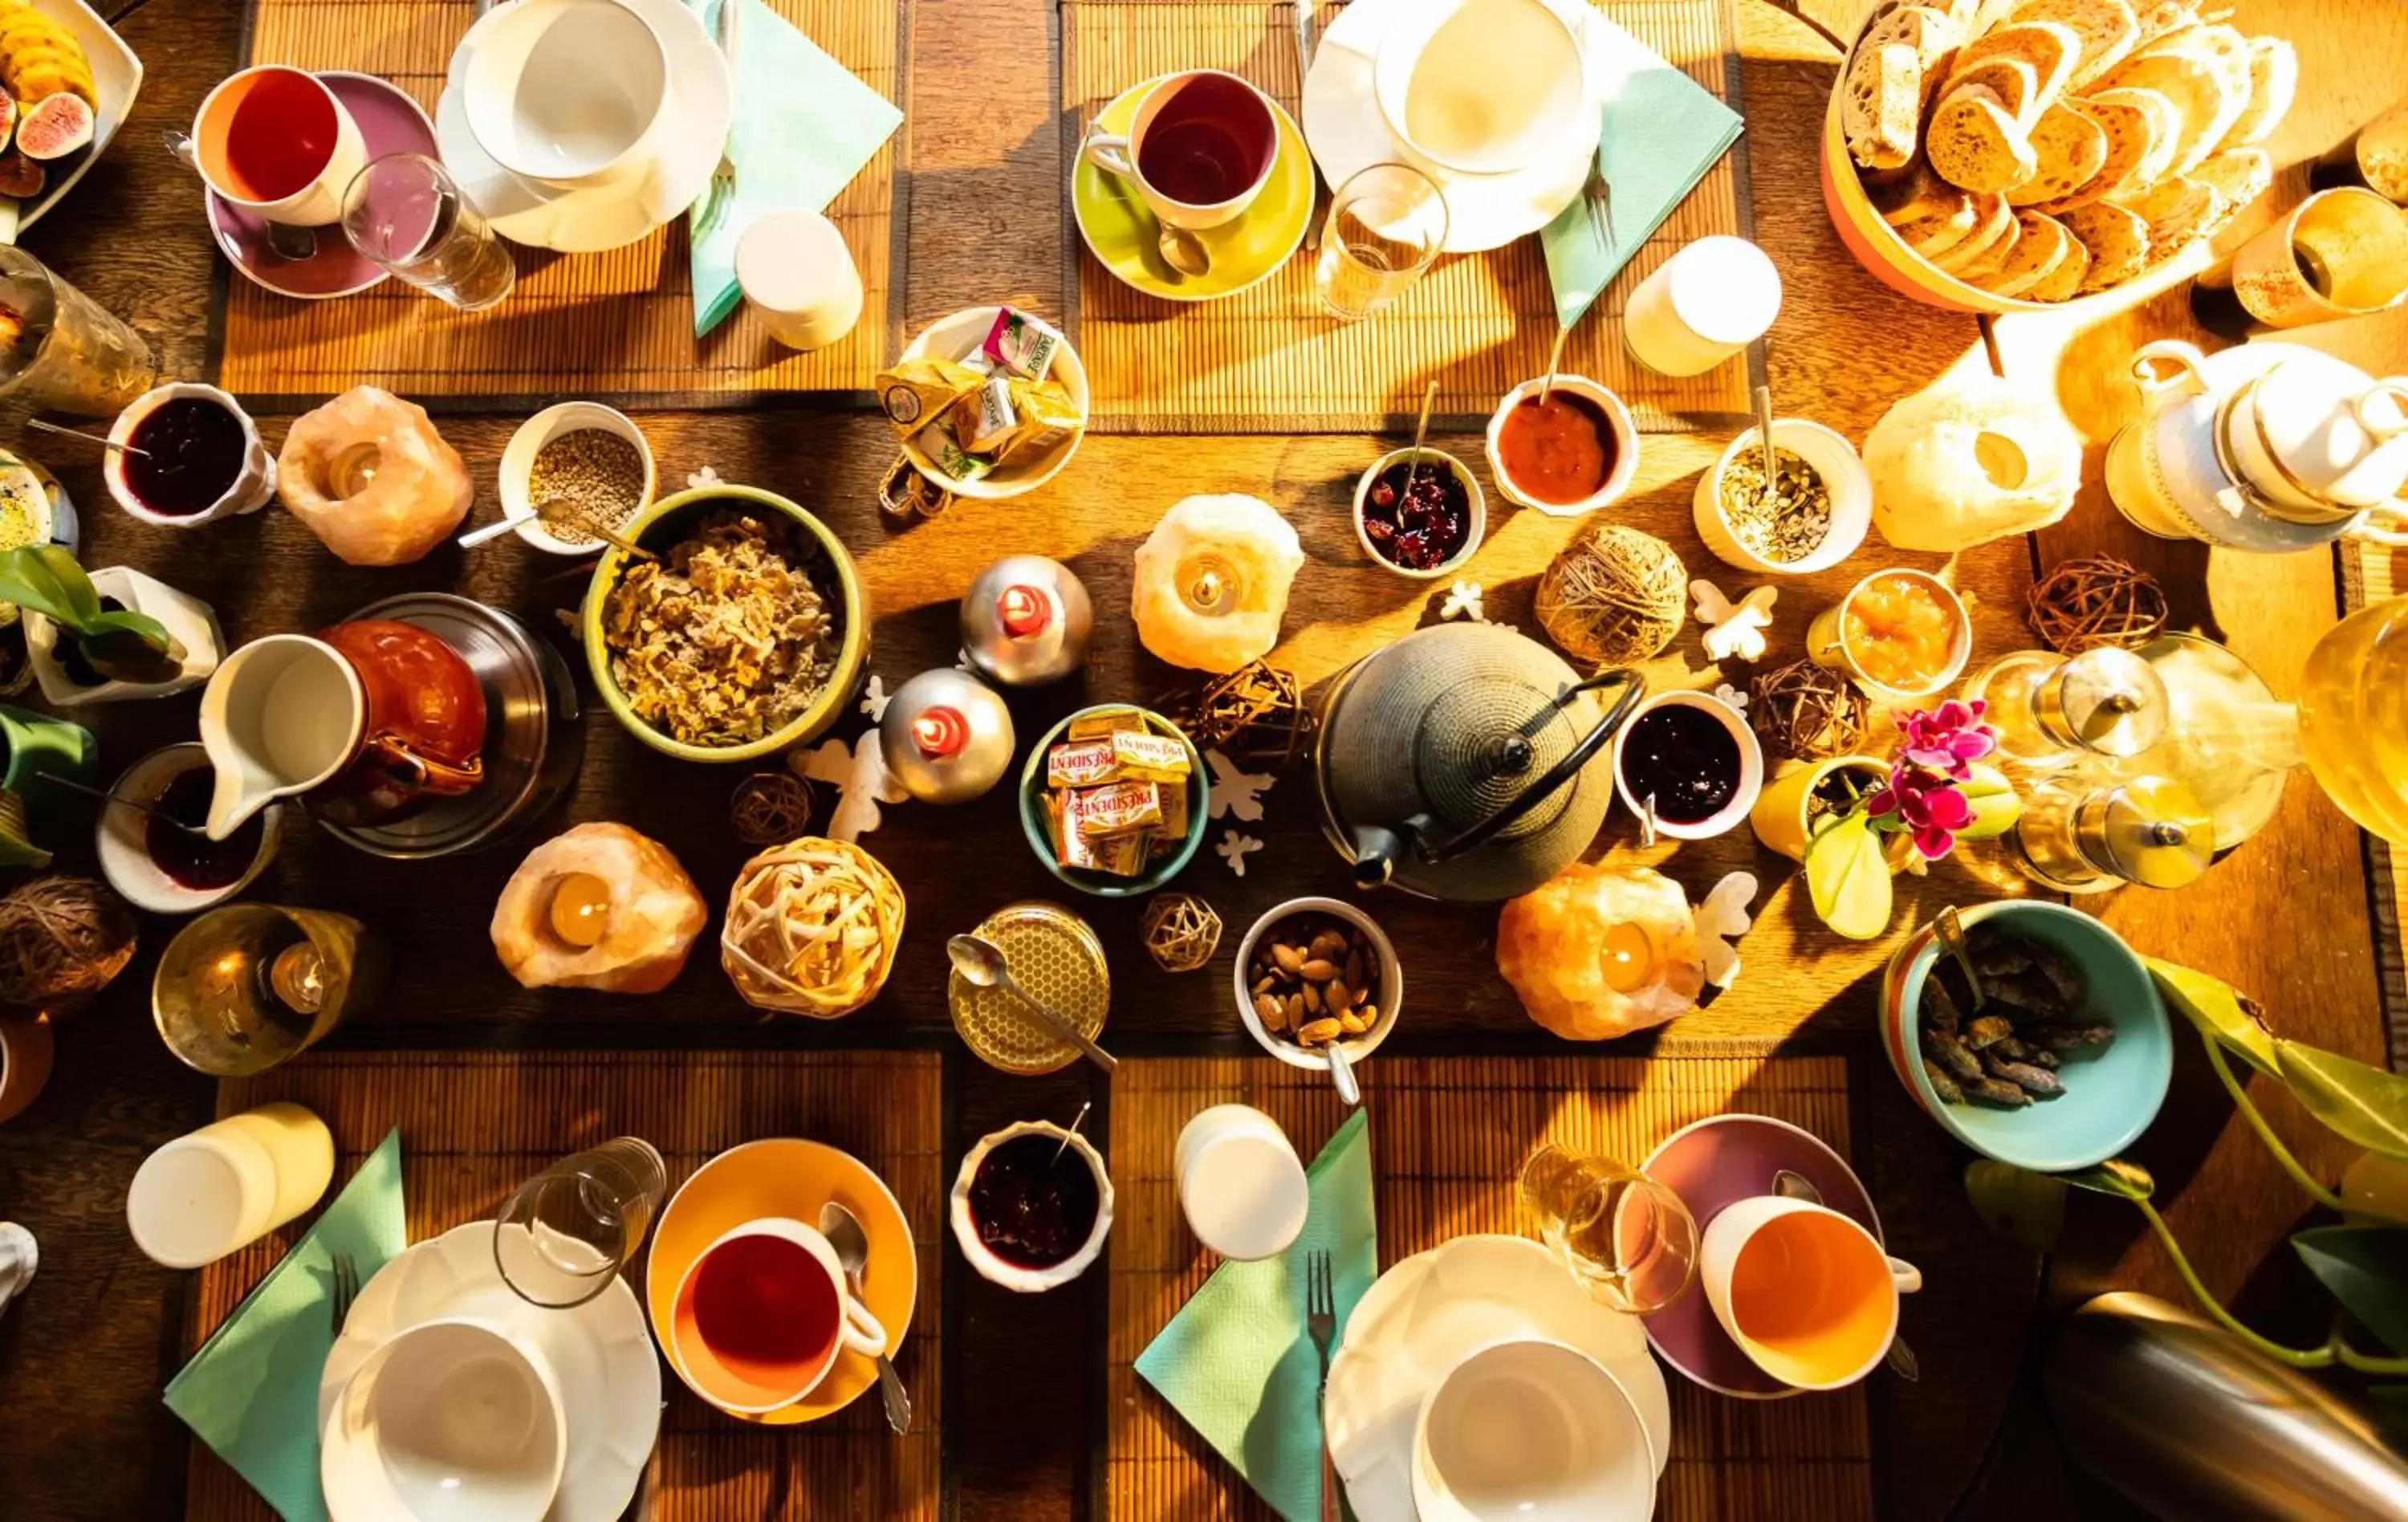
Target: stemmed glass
x=404 y=213
x=568 y=1230
x=1628 y=1240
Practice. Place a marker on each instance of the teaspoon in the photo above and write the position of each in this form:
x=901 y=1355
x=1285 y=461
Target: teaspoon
x=981 y=963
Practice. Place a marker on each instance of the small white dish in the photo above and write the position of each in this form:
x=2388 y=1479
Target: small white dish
x=1431 y=459
x=1347 y=132
x=1531 y=1430
x=1751 y=766
x=684 y=149
x=1428 y=1314
x=1392 y=986
x=1844 y=476
x=126 y=861
x=1617 y=417
x=452 y=1420
x=601 y=1352
x=1012 y=1276
x=960 y=335
x=251 y=490
x=518 y=463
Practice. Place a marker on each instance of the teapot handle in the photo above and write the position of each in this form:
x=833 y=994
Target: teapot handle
x=1634 y=687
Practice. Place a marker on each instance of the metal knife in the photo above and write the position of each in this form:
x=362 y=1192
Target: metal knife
x=1304 y=69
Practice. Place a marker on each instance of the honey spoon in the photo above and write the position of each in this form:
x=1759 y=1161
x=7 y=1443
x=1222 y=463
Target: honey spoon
x=980 y=962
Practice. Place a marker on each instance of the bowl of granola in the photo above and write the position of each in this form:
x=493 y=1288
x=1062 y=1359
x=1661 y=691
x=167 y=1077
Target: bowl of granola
x=747 y=635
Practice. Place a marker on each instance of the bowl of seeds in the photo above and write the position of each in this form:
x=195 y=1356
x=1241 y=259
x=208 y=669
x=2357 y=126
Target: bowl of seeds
x=1812 y=515
x=593 y=458
x=2055 y=1054
x=1316 y=974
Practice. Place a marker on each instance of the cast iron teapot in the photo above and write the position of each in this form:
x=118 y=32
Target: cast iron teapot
x=1467 y=762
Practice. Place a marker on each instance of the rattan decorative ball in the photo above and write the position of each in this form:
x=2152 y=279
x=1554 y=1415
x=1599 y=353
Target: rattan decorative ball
x=769 y=807
x=1614 y=595
x=2098 y=600
x=1181 y=931
x=1807 y=712
x=813 y=927
x=1256 y=716
x=61 y=939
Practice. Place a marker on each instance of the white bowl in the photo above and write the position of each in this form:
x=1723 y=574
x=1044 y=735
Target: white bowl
x=518 y=465
x=1012 y=1276
x=1531 y=1430
x=959 y=337
x=454 y=1420
x=1751 y=766
x=1626 y=445
x=1434 y=459
x=119 y=835
x=1392 y=986
x=1833 y=458
x=251 y=488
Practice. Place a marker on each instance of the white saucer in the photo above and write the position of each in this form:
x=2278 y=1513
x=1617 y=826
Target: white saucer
x=1344 y=126
x=700 y=106
x=602 y=1352
x=1424 y=1315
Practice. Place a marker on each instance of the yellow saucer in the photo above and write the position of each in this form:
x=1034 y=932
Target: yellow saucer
x=782 y=1176
x=1120 y=232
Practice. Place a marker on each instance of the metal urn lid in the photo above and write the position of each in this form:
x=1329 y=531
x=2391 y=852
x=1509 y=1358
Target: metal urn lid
x=1026 y=619
x=1468 y=762
x=947 y=738
x=2108 y=701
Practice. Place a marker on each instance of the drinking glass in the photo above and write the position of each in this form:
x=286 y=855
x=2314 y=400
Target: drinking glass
x=568 y=1230
x=2338 y=253
x=405 y=214
x=61 y=351
x=1628 y=1239
x=1386 y=226
x=247 y=986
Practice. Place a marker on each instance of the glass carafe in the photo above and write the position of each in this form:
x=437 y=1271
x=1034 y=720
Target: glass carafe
x=2353 y=717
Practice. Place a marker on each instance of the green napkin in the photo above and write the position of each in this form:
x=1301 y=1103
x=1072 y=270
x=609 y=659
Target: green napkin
x=1237 y=1361
x=1663 y=131
x=252 y=1391
x=803 y=127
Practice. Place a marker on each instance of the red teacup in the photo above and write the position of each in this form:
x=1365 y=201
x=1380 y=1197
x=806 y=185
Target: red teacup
x=761 y=1315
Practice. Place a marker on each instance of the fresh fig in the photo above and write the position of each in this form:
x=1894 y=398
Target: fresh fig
x=54 y=127
x=21 y=177
x=7 y=117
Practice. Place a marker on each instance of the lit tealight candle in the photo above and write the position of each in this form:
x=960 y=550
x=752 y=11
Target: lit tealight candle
x=1629 y=957
x=581 y=907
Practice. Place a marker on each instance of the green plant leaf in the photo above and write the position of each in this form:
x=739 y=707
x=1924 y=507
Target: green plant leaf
x=46 y=579
x=1992 y=798
x=2024 y=1206
x=127 y=652
x=2365 y=1104
x=1847 y=879
x=2229 y=1017
x=2125 y=1180
x=2366 y=1268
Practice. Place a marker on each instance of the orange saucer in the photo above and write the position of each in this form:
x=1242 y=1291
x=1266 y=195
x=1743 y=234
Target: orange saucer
x=782 y=1176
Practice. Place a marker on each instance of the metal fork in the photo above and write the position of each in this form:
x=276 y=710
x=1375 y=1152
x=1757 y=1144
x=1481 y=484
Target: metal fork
x=1598 y=195
x=345 y=1289
x=1321 y=1321
x=722 y=179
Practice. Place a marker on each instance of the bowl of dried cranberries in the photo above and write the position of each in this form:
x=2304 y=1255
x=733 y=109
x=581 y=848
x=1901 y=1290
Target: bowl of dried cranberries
x=1419 y=512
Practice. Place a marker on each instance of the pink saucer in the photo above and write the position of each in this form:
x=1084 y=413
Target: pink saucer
x=1717 y=1162
x=390 y=123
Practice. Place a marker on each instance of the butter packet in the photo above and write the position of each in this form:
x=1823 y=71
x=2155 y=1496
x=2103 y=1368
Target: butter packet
x=916 y=391
x=1113 y=808
x=1174 y=816
x=1019 y=344
x=1080 y=763
x=1148 y=758
x=1105 y=722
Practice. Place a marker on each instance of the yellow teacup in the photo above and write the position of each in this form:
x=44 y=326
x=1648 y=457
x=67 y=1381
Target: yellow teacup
x=1804 y=1291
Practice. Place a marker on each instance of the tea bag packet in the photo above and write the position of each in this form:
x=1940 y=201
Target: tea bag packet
x=913 y=392
x=1044 y=416
x=985 y=419
x=1019 y=345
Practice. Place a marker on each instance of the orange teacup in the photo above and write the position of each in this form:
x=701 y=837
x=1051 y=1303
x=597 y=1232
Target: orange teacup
x=1804 y=1291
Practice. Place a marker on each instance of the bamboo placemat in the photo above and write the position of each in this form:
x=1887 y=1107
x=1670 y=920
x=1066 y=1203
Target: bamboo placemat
x=614 y=326
x=1267 y=360
x=1448 y=1137
x=474 y=1124
x=2370 y=575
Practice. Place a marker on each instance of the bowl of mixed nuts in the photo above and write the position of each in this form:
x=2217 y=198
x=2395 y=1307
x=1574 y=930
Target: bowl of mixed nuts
x=1316 y=974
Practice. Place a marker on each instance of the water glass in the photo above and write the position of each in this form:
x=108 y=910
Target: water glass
x=1628 y=1240
x=404 y=213
x=567 y=1232
x=1386 y=226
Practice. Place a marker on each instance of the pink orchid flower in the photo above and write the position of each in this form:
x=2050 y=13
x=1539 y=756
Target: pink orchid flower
x=1928 y=810
x=1948 y=740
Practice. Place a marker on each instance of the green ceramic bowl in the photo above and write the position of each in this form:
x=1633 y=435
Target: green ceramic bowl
x=663 y=524
x=2111 y=1094
x=1104 y=884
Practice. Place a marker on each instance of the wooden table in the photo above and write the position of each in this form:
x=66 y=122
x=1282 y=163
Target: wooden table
x=2292 y=916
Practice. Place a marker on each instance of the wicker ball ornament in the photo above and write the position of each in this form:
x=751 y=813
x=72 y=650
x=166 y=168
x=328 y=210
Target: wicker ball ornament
x=1181 y=931
x=813 y=928
x=1807 y=712
x=61 y=939
x=2094 y=601
x=1614 y=595
x=1256 y=716
x=769 y=807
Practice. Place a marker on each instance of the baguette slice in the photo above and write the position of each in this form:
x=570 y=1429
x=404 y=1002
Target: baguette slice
x=1974 y=141
x=2070 y=147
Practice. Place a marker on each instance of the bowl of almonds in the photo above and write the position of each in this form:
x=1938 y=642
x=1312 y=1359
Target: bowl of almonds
x=1316 y=974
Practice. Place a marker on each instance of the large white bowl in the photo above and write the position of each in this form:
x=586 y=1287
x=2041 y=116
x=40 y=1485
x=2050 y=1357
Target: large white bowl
x=452 y=1420
x=1531 y=1430
x=959 y=337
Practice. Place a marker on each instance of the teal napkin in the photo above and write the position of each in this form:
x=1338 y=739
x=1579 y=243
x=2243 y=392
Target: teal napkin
x=803 y=127
x=1237 y=1361
x=1663 y=131
x=252 y=1391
